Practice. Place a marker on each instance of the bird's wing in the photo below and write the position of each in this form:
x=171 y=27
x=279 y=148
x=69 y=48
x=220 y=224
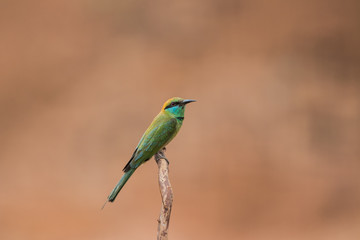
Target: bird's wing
x=156 y=136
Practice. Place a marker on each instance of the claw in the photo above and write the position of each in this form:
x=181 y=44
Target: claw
x=161 y=155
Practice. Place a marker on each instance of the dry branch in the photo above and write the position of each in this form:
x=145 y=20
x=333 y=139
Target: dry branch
x=166 y=195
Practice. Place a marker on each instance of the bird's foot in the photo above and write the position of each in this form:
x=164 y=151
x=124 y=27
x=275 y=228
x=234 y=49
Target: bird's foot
x=161 y=155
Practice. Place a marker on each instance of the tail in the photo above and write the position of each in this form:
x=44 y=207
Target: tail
x=120 y=185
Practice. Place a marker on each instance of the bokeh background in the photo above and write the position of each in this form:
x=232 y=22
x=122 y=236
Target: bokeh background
x=269 y=151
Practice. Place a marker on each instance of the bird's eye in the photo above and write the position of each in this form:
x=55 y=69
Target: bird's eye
x=173 y=104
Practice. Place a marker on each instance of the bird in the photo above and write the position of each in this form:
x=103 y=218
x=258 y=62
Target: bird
x=161 y=131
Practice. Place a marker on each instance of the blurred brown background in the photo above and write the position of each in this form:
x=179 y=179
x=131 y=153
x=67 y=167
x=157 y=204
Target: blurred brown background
x=269 y=151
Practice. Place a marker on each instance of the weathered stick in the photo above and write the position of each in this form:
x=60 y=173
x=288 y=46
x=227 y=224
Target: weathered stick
x=166 y=195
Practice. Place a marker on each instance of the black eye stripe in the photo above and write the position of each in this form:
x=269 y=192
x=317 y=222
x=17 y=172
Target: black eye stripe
x=173 y=104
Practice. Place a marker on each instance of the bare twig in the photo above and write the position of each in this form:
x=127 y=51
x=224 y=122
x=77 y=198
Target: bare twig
x=166 y=195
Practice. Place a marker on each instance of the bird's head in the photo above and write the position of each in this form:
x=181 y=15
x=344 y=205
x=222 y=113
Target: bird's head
x=176 y=106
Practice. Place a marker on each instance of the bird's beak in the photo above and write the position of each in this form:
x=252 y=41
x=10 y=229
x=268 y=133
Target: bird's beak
x=186 y=101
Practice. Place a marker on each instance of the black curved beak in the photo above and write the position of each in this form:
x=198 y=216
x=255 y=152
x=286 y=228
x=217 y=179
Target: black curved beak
x=186 y=101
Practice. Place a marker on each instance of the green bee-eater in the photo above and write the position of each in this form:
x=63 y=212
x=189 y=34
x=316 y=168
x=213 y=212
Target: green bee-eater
x=161 y=131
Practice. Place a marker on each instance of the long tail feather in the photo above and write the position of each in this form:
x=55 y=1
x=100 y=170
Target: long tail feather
x=120 y=185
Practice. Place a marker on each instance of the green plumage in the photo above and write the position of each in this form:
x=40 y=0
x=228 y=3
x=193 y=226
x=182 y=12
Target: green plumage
x=161 y=131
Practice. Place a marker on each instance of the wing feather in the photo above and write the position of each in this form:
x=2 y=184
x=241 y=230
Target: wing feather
x=160 y=132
